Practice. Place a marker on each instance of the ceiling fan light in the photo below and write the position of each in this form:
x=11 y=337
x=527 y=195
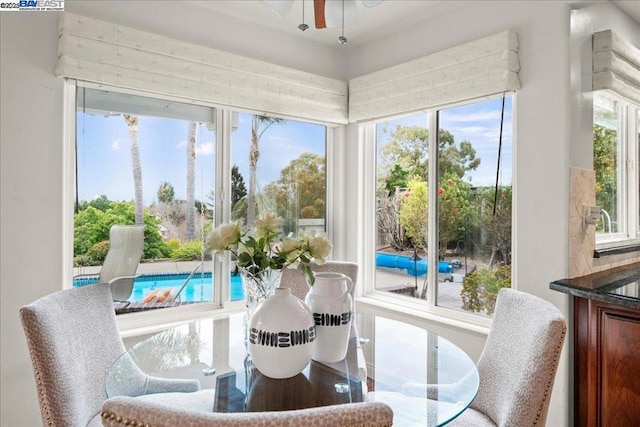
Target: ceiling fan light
x=342 y=40
x=281 y=7
x=303 y=27
x=333 y=13
x=371 y=3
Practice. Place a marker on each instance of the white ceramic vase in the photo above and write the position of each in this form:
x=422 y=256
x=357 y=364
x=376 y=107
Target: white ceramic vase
x=281 y=335
x=330 y=301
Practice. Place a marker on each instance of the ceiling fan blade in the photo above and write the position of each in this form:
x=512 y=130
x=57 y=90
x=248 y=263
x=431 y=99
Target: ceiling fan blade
x=318 y=12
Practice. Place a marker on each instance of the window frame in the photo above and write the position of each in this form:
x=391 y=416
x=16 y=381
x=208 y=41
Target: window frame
x=428 y=310
x=152 y=320
x=629 y=144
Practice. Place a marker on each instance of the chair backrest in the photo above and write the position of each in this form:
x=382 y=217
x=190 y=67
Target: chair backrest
x=126 y=243
x=518 y=364
x=295 y=279
x=73 y=340
x=140 y=412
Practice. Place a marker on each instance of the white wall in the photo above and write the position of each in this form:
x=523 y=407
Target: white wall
x=31 y=206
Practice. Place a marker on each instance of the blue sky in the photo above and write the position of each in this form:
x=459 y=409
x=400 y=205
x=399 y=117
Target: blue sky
x=104 y=159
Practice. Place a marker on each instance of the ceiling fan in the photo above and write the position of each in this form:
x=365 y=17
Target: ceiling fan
x=327 y=13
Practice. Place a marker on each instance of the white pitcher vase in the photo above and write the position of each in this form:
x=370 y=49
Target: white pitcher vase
x=330 y=301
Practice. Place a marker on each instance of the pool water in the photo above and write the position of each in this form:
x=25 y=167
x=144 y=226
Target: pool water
x=199 y=288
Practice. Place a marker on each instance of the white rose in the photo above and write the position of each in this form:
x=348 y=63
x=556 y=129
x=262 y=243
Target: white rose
x=224 y=236
x=268 y=223
x=289 y=245
x=319 y=247
x=230 y=233
x=214 y=242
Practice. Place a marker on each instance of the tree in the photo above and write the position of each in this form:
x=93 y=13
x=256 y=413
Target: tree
x=300 y=191
x=166 y=193
x=454 y=210
x=396 y=178
x=496 y=223
x=605 y=161
x=413 y=212
x=132 y=124
x=408 y=148
x=238 y=189
x=191 y=162
x=259 y=125
x=101 y=203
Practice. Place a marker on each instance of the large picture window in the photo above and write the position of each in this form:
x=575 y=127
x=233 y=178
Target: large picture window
x=615 y=161
x=472 y=192
x=142 y=160
x=146 y=161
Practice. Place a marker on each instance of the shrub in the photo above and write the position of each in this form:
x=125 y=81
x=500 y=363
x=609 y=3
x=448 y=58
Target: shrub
x=191 y=250
x=173 y=243
x=98 y=252
x=82 y=261
x=480 y=288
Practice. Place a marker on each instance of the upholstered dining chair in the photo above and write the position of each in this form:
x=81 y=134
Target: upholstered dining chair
x=517 y=366
x=121 y=411
x=295 y=279
x=126 y=244
x=73 y=341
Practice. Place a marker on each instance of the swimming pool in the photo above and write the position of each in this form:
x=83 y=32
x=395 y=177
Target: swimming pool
x=199 y=288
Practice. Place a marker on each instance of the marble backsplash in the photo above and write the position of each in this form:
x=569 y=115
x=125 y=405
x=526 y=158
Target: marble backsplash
x=582 y=241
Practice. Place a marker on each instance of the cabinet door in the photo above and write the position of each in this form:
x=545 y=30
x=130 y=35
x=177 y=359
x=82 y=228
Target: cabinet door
x=619 y=369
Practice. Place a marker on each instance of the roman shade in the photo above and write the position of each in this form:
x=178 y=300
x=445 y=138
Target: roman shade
x=616 y=66
x=105 y=53
x=479 y=68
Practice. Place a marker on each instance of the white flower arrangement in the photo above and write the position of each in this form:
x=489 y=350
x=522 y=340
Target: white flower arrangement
x=261 y=248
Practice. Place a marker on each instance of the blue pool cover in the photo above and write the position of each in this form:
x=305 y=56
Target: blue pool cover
x=404 y=262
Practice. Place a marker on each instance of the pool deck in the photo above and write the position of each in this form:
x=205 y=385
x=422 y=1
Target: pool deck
x=160 y=267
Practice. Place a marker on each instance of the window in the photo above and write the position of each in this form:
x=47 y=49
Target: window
x=615 y=161
x=155 y=161
x=279 y=165
x=472 y=194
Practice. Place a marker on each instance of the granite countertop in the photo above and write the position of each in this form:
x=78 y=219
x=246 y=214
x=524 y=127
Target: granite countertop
x=619 y=286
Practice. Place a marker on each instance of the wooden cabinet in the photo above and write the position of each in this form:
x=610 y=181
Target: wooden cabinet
x=607 y=364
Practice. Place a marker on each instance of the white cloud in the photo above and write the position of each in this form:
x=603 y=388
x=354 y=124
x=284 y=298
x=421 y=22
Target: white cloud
x=205 y=149
x=115 y=145
x=202 y=149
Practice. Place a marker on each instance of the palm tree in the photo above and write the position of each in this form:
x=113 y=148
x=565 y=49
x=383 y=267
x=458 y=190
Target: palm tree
x=132 y=124
x=191 y=162
x=259 y=124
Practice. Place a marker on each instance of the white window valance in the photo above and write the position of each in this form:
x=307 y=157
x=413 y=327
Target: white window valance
x=479 y=68
x=616 y=66
x=105 y=53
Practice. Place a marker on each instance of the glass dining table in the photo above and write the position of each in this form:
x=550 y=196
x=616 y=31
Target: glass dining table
x=426 y=379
